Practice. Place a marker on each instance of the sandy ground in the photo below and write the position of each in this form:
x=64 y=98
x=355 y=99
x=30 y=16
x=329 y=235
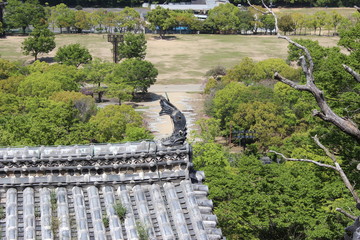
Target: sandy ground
x=187 y=98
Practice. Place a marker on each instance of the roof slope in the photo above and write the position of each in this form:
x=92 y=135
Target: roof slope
x=71 y=193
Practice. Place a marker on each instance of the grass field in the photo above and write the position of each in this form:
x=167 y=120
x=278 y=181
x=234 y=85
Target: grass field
x=346 y=12
x=182 y=60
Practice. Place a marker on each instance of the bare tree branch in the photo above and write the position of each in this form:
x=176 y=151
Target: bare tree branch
x=346 y=213
x=292 y=84
x=352 y=72
x=304 y=160
x=339 y=169
x=357 y=8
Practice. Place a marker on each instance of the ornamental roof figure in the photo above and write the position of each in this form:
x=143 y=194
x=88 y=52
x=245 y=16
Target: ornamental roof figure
x=74 y=192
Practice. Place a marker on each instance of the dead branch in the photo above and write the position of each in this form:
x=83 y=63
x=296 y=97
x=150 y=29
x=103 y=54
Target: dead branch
x=337 y=167
x=357 y=8
x=346 y=213
x=304 y=160
x=352 y=72
x=307 y=64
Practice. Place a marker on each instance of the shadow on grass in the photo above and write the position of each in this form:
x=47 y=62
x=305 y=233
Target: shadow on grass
x=165 y=38
x=43 y=59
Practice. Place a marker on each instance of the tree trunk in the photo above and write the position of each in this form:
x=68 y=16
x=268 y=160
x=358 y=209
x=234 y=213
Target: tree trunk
x=99 y=93
x=23 y=30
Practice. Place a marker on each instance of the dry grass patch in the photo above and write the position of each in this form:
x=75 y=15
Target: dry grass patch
x=182 y=60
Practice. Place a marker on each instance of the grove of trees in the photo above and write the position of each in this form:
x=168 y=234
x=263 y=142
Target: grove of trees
x=284 y=199
x=132 y=3
x=28 y=95
x=223 y=19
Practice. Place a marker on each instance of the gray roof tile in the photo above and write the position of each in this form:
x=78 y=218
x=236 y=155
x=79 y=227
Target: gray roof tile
x=70 y=192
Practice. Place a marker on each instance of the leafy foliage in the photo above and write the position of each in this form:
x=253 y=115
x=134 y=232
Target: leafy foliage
x=73 y=54
x=112 y=121
x=286 y=24
x=42 y=91
x=159 y=18
x=41 y=40
x=138 y=74
x=133 y=46
x=21 y=14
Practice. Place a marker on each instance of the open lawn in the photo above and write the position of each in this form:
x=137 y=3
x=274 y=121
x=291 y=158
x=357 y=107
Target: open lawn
x=346 y=12
x=182 y=60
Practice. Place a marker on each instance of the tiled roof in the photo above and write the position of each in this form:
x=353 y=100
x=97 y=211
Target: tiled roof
x=72 y=192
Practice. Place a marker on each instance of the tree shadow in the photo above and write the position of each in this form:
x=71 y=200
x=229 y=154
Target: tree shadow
x=146 y=97
x=169 y=38
x=47 y=59
x=43 y=59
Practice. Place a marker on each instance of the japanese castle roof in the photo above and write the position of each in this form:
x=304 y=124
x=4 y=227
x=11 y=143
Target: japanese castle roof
x=71 y=192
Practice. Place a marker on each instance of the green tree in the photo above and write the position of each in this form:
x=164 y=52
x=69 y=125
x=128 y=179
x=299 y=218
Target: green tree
x=185 y=19
x=321 y=18
x=73 y=54
x=118 y=88
x=97 y=18
x=82 y=21
x=312 y=22
x=268 y=22
x=84 y=104
x=242 y=72
x=266 y=119
x=2 y=29
x=96 y=72
x=286 y=24
x=224 y=18
x=56 y=78
x=265 y=70
x=129 y=20
x=299 y=21
x=336 y=19
x=41 y=40
x=160 y=19
x=111 y=122
x=209 y=154
x=8 y=69
x=20 y=14
x=109 y=21
x=138 y=74
x=133 y=46
x=64 y=16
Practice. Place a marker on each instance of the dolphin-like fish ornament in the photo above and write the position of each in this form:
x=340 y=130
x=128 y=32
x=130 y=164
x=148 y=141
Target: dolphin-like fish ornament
x=178 y=136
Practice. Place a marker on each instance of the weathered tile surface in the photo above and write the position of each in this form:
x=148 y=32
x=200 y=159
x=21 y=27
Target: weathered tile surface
x=71 y=192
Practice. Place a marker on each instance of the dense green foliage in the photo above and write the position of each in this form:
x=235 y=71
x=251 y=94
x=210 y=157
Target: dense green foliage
x=273 y=201
x=281 y=200
x=21 y=14
x=223 y=19
x=133 y=46
x=132 y=3
x=73 y=54
x=139 y=74
x=41 y=40
x=41 y=105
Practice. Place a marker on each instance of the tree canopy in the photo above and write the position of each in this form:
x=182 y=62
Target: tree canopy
x=41 y=40
x=133 y=46
x=73 y=54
